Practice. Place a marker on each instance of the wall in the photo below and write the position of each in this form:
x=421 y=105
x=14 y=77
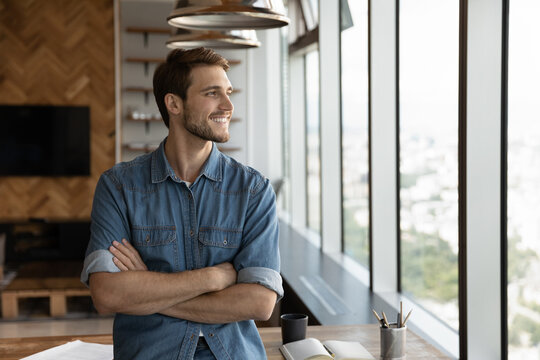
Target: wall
x=58 y=53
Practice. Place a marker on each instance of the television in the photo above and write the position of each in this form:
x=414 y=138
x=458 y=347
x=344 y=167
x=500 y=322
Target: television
x=44 y=140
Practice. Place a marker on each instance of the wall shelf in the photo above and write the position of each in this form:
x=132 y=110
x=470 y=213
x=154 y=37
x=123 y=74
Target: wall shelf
x=146 y=60
x=143 y=147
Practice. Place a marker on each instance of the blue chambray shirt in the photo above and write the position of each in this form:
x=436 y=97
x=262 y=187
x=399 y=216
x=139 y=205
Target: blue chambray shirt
x=227 y=215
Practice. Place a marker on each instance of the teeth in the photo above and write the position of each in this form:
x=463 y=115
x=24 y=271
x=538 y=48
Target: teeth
x=220 y=119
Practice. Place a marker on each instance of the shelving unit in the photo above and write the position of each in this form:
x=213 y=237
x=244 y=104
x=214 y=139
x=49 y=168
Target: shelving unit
x=143 y=43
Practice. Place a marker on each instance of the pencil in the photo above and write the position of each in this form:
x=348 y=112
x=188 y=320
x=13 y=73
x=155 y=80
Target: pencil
x=385 y=319
x=407 y=317
x=376 y=315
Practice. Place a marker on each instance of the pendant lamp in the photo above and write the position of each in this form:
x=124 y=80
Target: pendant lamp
x=231 y=39
x=228 y=14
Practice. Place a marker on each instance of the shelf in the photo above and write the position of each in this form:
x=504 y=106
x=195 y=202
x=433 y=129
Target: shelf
x=146 y=60
x=156 y=118
x=229 y=149
x=149 y=30
x=143 y=147
x=143 y=89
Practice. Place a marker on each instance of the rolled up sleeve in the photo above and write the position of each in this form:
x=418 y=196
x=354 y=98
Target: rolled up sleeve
x=108 y=224
x=258 y=262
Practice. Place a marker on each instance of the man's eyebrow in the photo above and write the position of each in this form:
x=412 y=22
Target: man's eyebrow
x=215 y=87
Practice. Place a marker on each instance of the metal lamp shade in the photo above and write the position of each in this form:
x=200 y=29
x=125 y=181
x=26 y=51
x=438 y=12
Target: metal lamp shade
x=233 y=39
x=228 y=14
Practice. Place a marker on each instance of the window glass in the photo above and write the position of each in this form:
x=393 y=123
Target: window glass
x=354 y=131
x=523 y=180
x=313 y=156
x=428 y=153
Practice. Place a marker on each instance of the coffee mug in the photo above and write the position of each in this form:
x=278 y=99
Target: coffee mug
x=293 y=327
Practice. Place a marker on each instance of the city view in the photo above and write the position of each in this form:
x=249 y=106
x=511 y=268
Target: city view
x=428 y=160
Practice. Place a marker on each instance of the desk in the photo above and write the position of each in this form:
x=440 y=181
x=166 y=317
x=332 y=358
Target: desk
x=368 y=335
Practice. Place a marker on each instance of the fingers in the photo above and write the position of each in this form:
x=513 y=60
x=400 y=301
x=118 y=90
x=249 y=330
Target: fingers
x=228 y=274
x=127 y=256
x=120 y=265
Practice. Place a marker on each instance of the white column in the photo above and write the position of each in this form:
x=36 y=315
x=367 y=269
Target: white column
x=330 y=89
x=483 y=179
x=383 y=145
x=264 y=99
x=298 y=142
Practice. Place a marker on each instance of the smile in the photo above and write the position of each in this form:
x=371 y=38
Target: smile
x=221 y=120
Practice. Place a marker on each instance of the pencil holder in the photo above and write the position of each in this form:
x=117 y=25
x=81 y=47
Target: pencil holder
x=393 y=341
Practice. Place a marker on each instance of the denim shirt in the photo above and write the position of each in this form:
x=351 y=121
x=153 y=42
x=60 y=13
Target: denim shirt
x=227 y=215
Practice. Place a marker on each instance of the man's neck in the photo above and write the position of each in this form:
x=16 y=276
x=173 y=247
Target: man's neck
x=187 y=157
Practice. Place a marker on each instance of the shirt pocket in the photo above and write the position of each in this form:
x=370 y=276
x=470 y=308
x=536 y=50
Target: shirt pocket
x=218 y=245
x=157 y=246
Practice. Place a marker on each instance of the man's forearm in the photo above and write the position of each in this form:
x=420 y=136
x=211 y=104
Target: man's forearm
x=235 y=303
x=146 y=292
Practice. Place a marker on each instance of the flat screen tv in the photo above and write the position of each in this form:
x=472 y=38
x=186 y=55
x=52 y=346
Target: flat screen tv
x=37 y=140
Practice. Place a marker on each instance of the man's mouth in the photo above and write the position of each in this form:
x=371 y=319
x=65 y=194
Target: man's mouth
x=220 y=119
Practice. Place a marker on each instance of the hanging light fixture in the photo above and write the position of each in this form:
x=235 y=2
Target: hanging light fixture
x=228 y=14
x=231 y=39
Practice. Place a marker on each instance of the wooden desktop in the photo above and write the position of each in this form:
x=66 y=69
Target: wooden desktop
x=367 y=335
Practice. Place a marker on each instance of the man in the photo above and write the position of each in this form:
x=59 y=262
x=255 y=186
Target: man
x=184 y=242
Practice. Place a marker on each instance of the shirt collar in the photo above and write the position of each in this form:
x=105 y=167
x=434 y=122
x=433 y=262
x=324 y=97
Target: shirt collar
x=161 y=169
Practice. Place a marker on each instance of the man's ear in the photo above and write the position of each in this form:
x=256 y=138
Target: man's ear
x=173 y=103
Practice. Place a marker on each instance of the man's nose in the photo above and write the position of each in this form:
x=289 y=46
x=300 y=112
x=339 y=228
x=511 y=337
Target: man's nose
x=226 y=104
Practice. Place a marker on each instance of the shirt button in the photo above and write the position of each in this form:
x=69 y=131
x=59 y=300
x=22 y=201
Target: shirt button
x=191 y=233
x=189 y=196
x=211 y=335
x=147 y=238
x=225 y=242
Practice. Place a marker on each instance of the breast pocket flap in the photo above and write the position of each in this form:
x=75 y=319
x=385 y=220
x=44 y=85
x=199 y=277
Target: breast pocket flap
x=220 y=238
x=153 y=235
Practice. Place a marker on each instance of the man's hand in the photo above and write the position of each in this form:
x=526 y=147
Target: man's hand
x=126 y=257
x=226 y=274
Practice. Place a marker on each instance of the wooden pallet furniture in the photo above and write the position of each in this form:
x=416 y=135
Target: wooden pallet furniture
x=55 y=281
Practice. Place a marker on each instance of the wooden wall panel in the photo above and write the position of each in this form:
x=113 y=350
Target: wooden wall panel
x=58 y=52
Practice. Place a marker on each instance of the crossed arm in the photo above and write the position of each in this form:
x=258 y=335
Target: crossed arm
x=207 y=295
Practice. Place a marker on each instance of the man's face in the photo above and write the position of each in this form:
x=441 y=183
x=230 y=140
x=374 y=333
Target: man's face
x=208 y=109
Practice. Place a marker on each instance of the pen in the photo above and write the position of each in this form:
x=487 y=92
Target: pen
x=400 y=314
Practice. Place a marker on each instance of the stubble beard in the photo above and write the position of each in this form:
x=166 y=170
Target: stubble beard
x=202 y=129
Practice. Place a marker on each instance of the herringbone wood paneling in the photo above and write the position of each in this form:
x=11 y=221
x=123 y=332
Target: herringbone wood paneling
x=58 y=52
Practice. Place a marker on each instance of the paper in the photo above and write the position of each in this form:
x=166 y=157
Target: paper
x=347 y=349
x=75 y=350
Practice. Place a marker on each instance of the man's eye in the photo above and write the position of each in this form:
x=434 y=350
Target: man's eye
x=211 y=93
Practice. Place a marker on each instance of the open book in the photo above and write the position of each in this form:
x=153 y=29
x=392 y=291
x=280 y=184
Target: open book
x=312 y=349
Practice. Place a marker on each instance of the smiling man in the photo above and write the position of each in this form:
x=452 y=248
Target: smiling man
x=184 y=242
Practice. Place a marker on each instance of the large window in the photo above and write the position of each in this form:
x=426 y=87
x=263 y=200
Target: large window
x=355 y=131
x=524 y=180
x=313 y=143
x=428 y=153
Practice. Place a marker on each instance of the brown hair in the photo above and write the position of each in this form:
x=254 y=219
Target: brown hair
x=174 y=75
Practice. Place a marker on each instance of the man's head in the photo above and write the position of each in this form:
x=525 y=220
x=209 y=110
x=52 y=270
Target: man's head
x=174 y=76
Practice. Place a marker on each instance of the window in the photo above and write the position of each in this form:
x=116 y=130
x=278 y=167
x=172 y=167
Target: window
x=523 y=218
x=355 y=130
x=428 y=154
x=313 y=156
